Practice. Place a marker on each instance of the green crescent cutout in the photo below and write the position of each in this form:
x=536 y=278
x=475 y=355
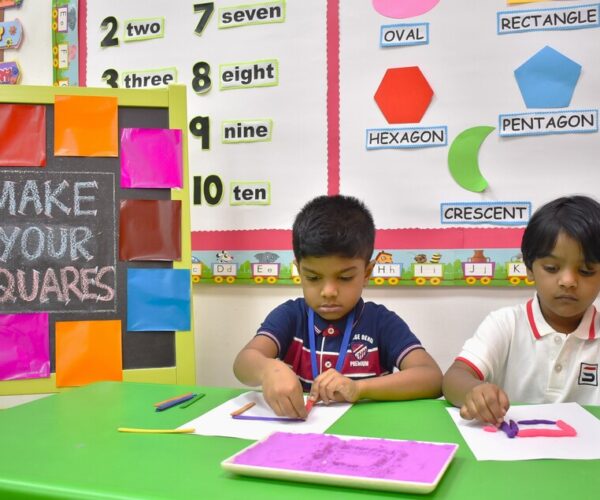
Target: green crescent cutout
x=462 y=158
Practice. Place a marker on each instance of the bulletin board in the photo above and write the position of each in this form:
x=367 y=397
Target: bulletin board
x=73 y=269
x=452 y=119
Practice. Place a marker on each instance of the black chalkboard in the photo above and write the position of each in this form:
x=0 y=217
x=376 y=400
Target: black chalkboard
x=57 y=241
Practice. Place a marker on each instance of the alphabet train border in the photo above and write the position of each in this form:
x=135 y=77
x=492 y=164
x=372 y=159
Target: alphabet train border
x=464 y=267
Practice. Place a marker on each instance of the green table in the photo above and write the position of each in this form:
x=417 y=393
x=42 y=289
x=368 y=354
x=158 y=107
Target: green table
x=67 y=446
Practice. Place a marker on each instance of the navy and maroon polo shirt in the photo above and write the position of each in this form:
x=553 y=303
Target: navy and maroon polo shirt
x=379 y=341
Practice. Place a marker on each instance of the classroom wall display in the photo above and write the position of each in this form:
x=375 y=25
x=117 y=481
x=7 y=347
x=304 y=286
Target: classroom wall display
x=65 y=42
x=11 y=35
x=31 y=63
x=453 y=121
x=85 y=293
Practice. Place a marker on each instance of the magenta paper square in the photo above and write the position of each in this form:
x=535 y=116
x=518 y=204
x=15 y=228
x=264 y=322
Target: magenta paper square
x=24 y=346
x=151 y=158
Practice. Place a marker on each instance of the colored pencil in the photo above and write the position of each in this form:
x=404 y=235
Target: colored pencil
x=192 y=401
x=175 y=402
x=241 y=410
x=187 y=430
x=172 y=399
x=267 y=419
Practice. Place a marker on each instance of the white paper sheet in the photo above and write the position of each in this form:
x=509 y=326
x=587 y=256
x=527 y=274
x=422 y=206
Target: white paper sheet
x=218 y=421
x=497 y=446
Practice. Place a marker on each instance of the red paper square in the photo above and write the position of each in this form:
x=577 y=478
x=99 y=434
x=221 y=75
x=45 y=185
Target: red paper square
x=22 y=135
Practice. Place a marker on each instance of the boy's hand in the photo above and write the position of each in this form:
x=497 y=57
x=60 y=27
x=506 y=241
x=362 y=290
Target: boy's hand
x=282 y=390
x=486 y=403
x=333 y=386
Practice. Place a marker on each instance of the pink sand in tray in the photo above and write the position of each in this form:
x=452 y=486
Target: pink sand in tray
x=369 y=457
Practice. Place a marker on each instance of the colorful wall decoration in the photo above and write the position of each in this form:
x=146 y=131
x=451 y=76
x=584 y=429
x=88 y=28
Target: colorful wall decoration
x=11 y=36
x=453 y=121
x=65 y=42
x=86 y=294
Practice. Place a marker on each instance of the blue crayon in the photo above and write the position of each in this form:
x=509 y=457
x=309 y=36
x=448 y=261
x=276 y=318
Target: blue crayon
x=174 y=402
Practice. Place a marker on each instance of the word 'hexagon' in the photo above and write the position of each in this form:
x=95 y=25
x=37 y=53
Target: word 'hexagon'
x=403 y=95
x=547 y=79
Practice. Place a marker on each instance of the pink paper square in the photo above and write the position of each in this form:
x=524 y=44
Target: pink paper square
x=24 y=346
x=151 y=158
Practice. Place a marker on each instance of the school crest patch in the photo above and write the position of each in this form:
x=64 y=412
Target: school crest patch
x=359 y=350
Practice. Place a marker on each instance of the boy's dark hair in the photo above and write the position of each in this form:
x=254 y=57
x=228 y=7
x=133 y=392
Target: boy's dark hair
x=334 y=225
x=576 y=216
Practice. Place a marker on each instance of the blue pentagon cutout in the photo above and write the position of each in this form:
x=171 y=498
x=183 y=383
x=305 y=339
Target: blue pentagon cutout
x=547 y=79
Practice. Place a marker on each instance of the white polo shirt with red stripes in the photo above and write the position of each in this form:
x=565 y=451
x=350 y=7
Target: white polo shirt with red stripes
x=516 y=349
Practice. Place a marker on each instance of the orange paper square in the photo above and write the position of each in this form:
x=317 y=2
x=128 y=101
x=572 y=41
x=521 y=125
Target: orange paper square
x=88 y=351
x=85 y=126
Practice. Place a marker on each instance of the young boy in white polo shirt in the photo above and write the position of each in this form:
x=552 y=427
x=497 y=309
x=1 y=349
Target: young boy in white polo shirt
x=547 y=350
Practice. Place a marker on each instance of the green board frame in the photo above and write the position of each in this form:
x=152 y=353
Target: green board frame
x=173 y=99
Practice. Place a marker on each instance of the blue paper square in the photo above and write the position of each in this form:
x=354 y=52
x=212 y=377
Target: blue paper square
x=158 y=299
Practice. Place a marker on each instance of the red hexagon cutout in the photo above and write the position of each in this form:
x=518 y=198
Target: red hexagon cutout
x=403 y=95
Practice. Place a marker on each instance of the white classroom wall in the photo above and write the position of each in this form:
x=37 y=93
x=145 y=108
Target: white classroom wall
x=226 y=318
x=469 y=67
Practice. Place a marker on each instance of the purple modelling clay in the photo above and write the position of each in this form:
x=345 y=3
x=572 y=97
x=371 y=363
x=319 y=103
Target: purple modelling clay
x=537 y=422
x=511 y=429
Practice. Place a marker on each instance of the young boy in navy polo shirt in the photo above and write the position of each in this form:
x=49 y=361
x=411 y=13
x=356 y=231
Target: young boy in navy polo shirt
x=547 y=350
x=331 y=342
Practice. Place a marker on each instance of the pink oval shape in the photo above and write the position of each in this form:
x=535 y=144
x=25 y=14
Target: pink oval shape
x=401 y=9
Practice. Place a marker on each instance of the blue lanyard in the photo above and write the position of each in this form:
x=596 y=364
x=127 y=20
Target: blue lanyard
x=313 y=350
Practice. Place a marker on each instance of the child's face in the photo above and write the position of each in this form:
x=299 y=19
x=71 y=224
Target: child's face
x=565 y=284
x=332 y=285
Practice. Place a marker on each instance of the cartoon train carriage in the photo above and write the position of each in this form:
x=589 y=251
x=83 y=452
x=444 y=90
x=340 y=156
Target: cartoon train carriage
x=224 y=270
x=426 y=269
x=266 y=269
x=424 y=272
x=516 y=272
x=478 y=267
x=295 y=274
x=265 y=272
x=196 y=270
x=386 y=270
